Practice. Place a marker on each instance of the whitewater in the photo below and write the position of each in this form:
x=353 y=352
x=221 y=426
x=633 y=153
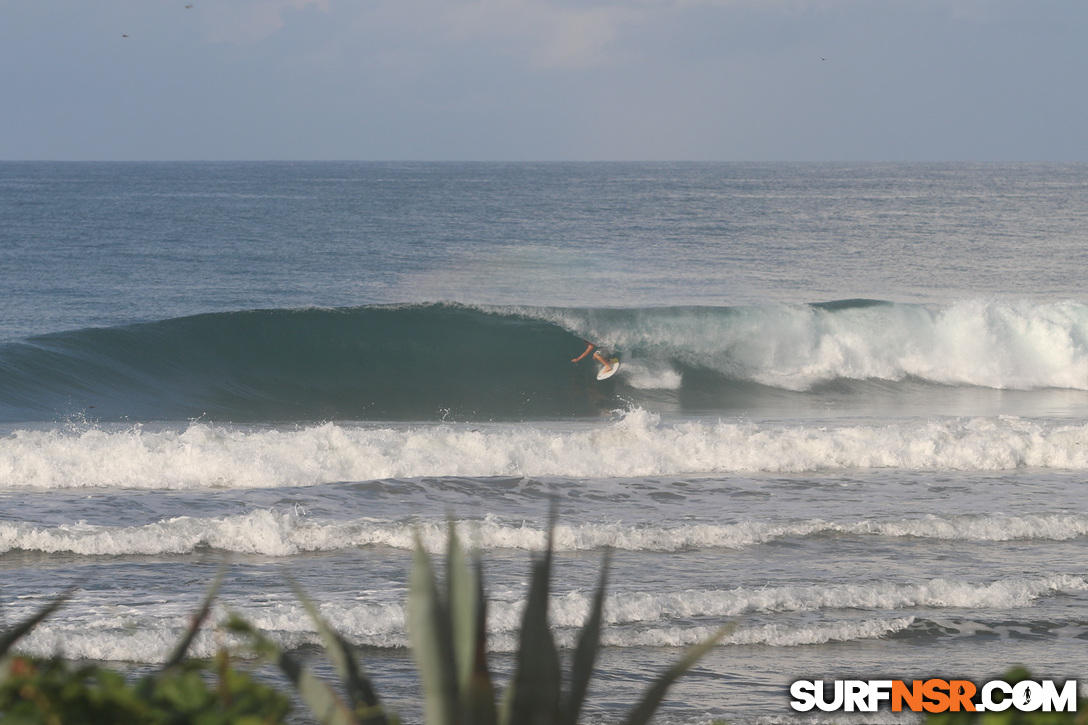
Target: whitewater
x=852 y=416
x=635 y=444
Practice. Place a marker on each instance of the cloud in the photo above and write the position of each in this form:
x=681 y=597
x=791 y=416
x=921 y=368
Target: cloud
x=251 y=21
x=553 y=35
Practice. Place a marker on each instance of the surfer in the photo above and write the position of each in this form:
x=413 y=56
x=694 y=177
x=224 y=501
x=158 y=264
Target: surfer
x=597 y=355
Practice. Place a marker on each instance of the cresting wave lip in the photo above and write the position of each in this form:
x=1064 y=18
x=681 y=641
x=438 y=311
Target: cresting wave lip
x=634 y=444
x=446 y=361
x=286 y=533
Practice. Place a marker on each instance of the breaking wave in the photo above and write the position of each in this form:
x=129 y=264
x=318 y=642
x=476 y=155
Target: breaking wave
x=288 y=533
x=445 y=361
x=846 y=612
x=636 y=443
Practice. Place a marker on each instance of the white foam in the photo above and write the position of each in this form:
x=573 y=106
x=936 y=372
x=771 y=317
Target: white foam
x=992 y=343
x=636 y=444
x=648 y=375
x=290 y=532
x=146 y=631
x=981 y=527
x=773 y=635
x=937 y=593
x=152 y=642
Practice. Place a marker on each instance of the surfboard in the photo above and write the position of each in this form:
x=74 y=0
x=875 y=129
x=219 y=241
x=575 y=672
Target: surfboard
x=602 y=375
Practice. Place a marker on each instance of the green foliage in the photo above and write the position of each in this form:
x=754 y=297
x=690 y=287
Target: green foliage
x=54 y=692
x=448 y=630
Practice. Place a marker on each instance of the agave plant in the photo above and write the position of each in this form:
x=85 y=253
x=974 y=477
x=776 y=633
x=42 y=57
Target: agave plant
x=448 y=630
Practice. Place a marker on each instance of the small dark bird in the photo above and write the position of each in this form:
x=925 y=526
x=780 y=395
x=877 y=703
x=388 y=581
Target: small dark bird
x=123 y=35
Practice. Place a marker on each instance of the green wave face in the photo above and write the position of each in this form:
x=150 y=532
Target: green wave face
x=424 y=362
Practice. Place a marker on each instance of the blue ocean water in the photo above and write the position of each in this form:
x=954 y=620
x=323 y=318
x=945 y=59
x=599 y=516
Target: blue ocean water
x=850 y=414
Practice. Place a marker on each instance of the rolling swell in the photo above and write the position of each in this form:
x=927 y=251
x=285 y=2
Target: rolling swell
x=422 y=362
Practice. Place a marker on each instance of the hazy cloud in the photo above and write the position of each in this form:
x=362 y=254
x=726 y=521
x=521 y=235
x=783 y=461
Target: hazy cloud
x=552 y=34
x=544 y=79
x=248 y=22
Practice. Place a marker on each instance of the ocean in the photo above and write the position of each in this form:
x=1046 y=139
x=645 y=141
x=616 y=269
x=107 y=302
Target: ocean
x=850 y=414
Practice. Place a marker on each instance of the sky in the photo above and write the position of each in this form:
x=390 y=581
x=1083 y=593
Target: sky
x=544 y=80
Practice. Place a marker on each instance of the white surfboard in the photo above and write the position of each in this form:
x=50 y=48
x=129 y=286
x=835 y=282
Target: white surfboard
x=605 y=375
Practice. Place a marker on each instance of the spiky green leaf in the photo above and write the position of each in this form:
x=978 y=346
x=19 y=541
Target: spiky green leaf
x=585 y=653
x=20 y=630
x=323 y=702
x=462 y=601
x=364 y=700
x=182 y=647
x=536 y=683
x=656 y=693
x=429 y=628
x=478 y=699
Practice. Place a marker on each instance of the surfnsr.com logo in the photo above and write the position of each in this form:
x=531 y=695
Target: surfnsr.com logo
x=933 y=695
